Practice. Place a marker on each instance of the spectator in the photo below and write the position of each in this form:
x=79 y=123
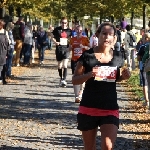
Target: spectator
x=42 y=43
x=129 y=43
x=123 y=23
x=28 y=43
x=140 y=55
x=94 y=40
x=4 y=48
x=9 y=28
x=18 y=34
x=118 y=33
x=144 y=58
x=34 y=47
x=49 y=33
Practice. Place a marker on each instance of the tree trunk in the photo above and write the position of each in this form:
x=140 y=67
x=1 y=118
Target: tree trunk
x=2 y=13
x=144 y=16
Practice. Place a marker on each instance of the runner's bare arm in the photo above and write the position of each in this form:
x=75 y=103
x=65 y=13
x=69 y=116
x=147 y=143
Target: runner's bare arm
x=70 y=44
x=70 y=47
x=79 y=77
x=125 y=74
x=87 y=46
x=54 y=40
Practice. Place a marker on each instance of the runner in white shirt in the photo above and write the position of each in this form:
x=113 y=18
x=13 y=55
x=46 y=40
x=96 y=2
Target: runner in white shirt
x=94 y=40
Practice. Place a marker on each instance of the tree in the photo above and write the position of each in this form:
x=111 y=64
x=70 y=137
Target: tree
x=47 y=9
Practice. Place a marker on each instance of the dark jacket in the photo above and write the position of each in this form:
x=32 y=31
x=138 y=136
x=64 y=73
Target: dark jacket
x=21 y=29
x=42 y=38
x=4 y=48
x=118 y=36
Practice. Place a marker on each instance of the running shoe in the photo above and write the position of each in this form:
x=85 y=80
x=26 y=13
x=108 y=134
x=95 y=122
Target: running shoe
x=77 y=100
x=63 y=83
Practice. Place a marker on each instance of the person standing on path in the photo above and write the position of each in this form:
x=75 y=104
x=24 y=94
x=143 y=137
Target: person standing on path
x=42 y=43
x=34 y=47
x=123 y=23
x=144 y=58
x=28 y=43
x=61 y=36
x=140 y=54
x=9 y=28
x=18 y=34
x=49 y=33
x=94 y=40
x=4 y=49
x=78 y=45
x=129 y=46
x=99 y=68
x=118 y=43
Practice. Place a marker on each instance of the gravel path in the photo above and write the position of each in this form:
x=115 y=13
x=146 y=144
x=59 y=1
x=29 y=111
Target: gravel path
x=36 y=114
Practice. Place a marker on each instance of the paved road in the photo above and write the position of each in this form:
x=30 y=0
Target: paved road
x=36 y=114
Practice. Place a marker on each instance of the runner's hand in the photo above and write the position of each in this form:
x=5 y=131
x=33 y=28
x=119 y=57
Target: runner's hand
x=57 y=43
x=91 y=74
x=81 y=46
x=126 y=74
x=94 y=72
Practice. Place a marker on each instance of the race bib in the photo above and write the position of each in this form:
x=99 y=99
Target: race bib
x=77 y=51
x=63 y=41
x=105 y=73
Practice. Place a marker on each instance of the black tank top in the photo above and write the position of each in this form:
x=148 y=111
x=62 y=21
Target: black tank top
x=100 y=94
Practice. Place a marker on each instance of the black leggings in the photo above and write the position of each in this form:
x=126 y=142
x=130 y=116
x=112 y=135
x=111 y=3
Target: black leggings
x=3 y=73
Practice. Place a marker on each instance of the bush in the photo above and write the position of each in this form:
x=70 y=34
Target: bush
x=134 y=82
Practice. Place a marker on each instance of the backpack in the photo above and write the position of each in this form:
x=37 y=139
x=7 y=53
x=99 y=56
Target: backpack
x=132 y=40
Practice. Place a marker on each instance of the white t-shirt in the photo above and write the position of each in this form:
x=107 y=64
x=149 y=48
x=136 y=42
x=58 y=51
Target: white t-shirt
x=93 y=41
x=122 y=36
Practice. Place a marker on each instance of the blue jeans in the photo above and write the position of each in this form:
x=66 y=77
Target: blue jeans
x=50 y=44
x=9 y=61
x=41 y=52
x=27 y=53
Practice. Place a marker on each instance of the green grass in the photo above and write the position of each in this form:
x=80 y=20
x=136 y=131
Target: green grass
x=134 y=83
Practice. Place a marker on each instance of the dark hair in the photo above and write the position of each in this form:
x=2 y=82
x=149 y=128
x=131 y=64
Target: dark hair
x=63 y=18
x=78 y=26
x=2 y=22
x=106 y=24
x=128 y=27
x=117 y=26
x=97 y=33
x=123 y=18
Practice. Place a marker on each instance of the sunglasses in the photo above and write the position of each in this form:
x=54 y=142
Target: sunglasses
x=64 y=22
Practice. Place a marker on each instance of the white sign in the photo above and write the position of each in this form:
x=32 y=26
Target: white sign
x=63 y=41
x=105 y=73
